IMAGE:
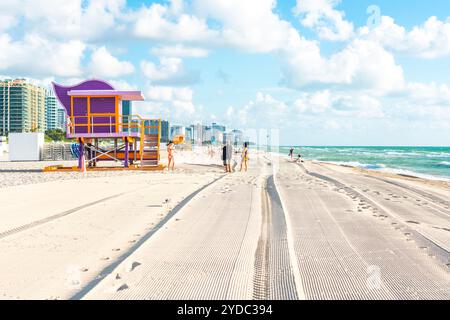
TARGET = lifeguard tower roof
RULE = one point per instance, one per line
(122, 95)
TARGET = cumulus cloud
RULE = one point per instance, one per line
(321, 16)
(173, 103)
(169, 71)
(8, 16)
(104, 64)
(38, 56)
(249, 25)
(264, 111)
(429, 40)
(361, 65)
(170, 23)
(341, 104)
(72, 19)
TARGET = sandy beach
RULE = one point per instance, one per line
(282, 230)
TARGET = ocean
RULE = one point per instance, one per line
(426, 162)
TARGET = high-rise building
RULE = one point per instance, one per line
(198, 133)
(207, 134)
(51, 112)
(61, 119)
(227, 136)
(22, 107)
(165, 132)
(188, 133)
(218, 127)
(217, 132)
(238, 137)
(177, 130)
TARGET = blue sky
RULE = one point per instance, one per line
(322, 72)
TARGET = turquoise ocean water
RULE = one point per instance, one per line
(427, 162)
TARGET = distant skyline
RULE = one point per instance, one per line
(323, 72)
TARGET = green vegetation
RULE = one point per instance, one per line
(55, 135)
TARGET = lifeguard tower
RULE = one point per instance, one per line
(99, 117)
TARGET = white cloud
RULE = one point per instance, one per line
(165, 93)
(170, 71)
(38, 56)
(321, 16)
(429, 40)
(429, 94)
(122, 85)
(249, 25)
(173, 103)
(104, 64)
(262, 112)
(8, 16)
(72, 19)
(361, 65)
(179, 51)
(339, 104)
(168, 23)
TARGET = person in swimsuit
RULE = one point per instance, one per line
(170, 156)
(245, 158)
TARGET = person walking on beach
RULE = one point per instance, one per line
(227, 152)
(245, 158)
(170, 155)
(291, 153)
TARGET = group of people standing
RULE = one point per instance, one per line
(227, 157)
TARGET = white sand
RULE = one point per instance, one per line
(363, 238)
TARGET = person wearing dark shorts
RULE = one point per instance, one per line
(227, 152)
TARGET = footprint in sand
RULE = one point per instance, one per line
(119, 287)
(116, 249)
(84, 269)
(131, 265)
(104, 258)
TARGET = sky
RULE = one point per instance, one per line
(319, 72)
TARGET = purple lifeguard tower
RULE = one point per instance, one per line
(105, 131)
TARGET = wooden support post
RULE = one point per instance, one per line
(127, 145)
(89, 113)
